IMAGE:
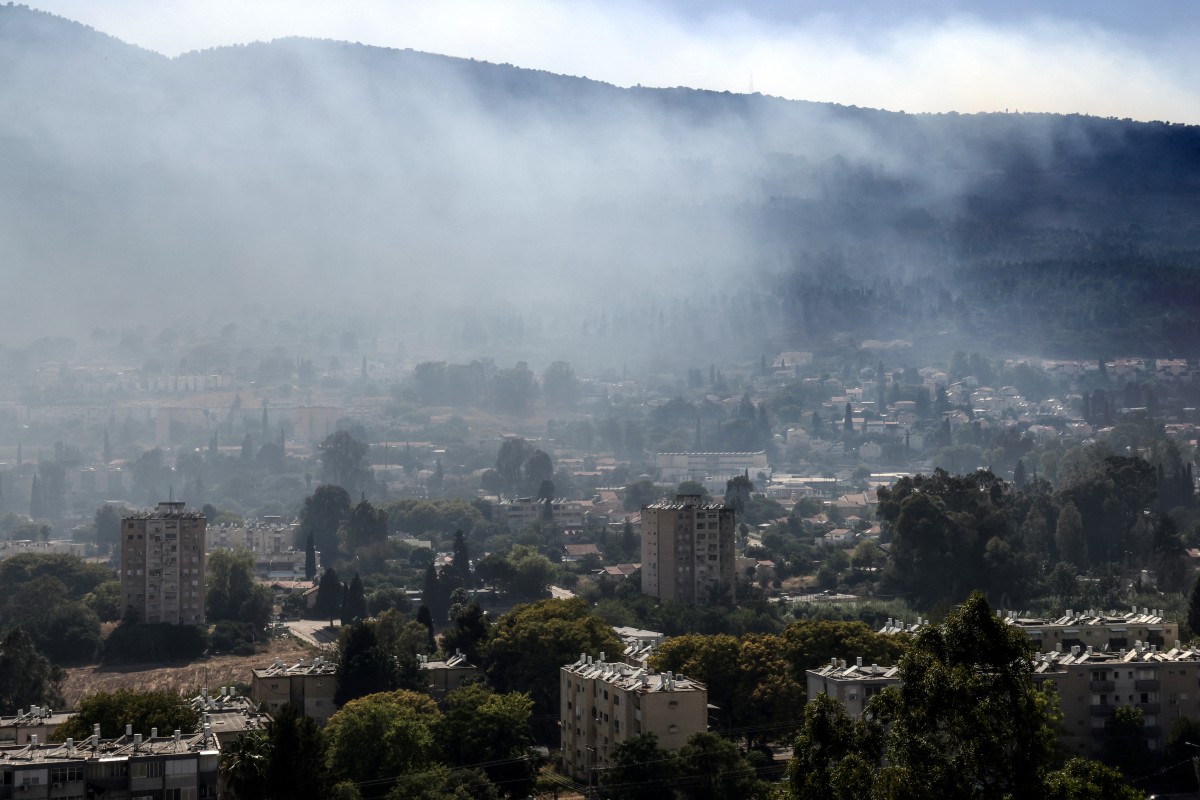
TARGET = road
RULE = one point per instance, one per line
(314, 631)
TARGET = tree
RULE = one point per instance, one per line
(559, 385)
(529, 645)
(737, 493)
(425, 619)
(322, 515)
(1068, 535)
(713, 768)
(112, 711)
(231, 593)
(641, 770)
(537, 469)
(531, 571)
(108, 527)
(1085, 779)
(462, 559)
(469, 633)
(833, 757)
(329, 596)
(26, 676)
(1193, 616)
(310, 558)
(365, 526)
(478, 726)
(244, 766)
(510, 462)
(966, 720)
(343, 460)
(378, 739)
(369, 663)
(354, 605)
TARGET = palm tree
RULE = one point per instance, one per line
(244, 766)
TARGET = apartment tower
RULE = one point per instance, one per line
(162, 564)
(687, 550)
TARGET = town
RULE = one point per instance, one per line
(692, 540)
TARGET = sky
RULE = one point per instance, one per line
(1100, 57)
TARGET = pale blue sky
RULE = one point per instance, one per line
(1099, 57)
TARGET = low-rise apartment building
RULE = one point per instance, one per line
(525, 511)
(446, 676)
(853, 685)
(1099, 630)
(604, 703)
(1092, 684)
(24, 726)
(172, 766)
(309, 687)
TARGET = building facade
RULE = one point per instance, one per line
(525, 511)
(162, 564)
(1099, 630)
(688, 550)
(710, 469)
(1092, 684)
(182, 767)
(601, 704)
(309, 687)
(851, 685)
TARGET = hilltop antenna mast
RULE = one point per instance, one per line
(751, 83)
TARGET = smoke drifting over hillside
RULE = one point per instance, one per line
(408, 193)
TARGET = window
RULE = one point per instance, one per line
(145, 769)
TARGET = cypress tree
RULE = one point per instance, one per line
(310, 558)
(1193, 618)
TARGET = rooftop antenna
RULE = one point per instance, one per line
(751, 83)
(171, 492)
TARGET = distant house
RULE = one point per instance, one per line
(573, 553)
(446, 676)
(615, 573)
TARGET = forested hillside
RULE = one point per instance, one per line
(318, 177)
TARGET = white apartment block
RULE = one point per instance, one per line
(604, 703)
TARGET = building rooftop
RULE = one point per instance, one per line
(1091, 617)
(166, 510)
(858, 671)
(687, 501)
(93, 748)
(632, 679)
(318, 666)
(456, 661)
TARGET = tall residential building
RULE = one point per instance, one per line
(162, 564)
(687, 550)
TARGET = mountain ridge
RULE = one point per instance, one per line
(274, 167)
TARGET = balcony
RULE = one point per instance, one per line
(1149, 708)
(1147, 685)
(1101, 687)
(1102, 711)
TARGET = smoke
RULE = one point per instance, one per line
(927, 59)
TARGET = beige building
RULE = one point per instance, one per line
(446, 676)
(602, 704)
(852, 685)
(525, 511)
(172, 766)
(24, 726)
(1099, 630)
(687, 550)
(309, 687)
(1091, 685)
(710, 469)
(162, 564)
